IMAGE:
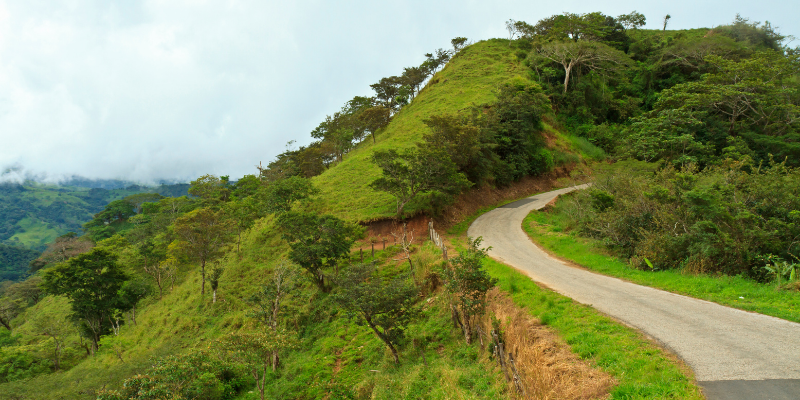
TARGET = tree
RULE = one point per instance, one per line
(386, 91)
(417, 171)
(572, 55)
(375, 118)
(254, 350)
(317, 242)
(468, 283)
(757, 91)
(279, 196)
(54, 325)
(666, 20)
(242, 214)
(414, 76)
(339, 131)
(457, 136)
(268, 301)
(65, 247)
(161, 272)
(247, 186)
(511, 27)
(192, 375)
(17, 297)
(386, 306)
(92, 281)
(216, 274)
(210, 189)
(10, 308)
(572, 27)
(202, 233)
(433, 61)
(131, 293)
(634, 20)
(458, 44)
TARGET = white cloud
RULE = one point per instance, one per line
(176, 89)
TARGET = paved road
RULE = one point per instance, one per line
(734, 354)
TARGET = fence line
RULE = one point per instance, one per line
(437, 240)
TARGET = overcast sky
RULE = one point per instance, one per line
(149, 90)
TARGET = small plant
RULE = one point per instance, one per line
(780, 268)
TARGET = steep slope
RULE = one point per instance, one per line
(469, 79)
(334, 353)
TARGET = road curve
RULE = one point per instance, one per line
(734, 354)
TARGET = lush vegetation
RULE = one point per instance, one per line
(249, 284)
(253, 284)
(34, 215)
(552, 231)
(713, 114)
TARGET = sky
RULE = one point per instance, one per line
(172, 90)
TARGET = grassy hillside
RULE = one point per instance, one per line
(335, 356)
(469, 79)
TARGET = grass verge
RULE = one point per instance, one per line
(549, 230)
(642, 370)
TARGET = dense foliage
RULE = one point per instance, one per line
(732, 219)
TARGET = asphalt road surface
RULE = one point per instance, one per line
(734, 354)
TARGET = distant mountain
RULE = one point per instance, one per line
(34, 214)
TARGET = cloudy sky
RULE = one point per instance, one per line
(149, 90)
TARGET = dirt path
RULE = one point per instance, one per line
(726, 348)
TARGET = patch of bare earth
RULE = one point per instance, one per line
(546, 366)
(380, 231)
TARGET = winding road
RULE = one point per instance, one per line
(734, 354)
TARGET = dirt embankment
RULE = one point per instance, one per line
(465, 205)
(547, 368)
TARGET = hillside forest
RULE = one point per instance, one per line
(33, 215)
(275, 285)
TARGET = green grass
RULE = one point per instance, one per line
(642, 370)
(549, 229)
(469, 79)
(33, 232)
(336, 354)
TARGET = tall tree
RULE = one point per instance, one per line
(279, 196)
(414, 76)
(92, 282)
(386, 306)
(317, 242)
(268, 302)
(417, 171)
(633, 20)
(572, 55)
(202, 234)
(375, 118)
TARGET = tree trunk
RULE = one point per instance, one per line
(319, 279)
(383, 338)
(567, 71)
(214, 297)
(203, 272)
(275, 360)
(133, 315)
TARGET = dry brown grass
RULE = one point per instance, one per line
(549, 370)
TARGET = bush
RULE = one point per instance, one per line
(721, 220)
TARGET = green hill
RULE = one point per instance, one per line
(329, 350)
(333, 352)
